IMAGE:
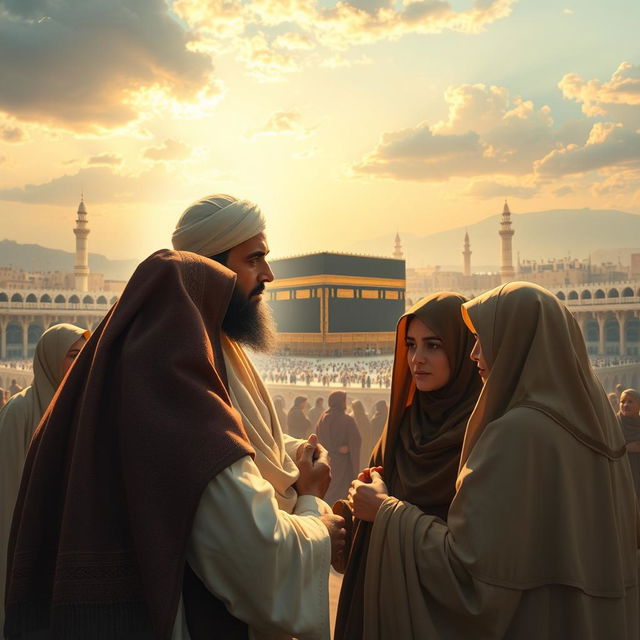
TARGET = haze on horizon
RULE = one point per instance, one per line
(342, 120)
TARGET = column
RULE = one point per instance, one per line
(25, 338)
(3, 340)
(601, 318)
(622, 322)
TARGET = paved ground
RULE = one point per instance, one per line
(335, 580)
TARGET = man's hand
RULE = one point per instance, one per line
(315, 472)
(366, 497)
(337, 533)
(316, 453)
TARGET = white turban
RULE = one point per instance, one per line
(216, 224)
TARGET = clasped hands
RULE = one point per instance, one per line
(367, 493)
(312, 460)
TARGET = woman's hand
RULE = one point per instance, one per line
(365, 474)
(365, 498)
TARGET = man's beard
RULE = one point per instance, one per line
(249, 322)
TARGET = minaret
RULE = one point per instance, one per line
(398, 248)
(467, 255)
(81, 231)
(506, 233)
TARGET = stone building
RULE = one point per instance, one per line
(337, 304)
(30, 302)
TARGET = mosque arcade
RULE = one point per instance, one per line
(608, 312)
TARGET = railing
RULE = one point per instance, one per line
(42, 306)
(601, 301)
(607, 362)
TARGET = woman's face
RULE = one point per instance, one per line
(477, 356)
(71, 355)
(629, 406)
(426, 357)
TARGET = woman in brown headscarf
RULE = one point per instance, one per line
(629, 418)
(434, 389)
(541, 540)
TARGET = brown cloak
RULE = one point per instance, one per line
(117, 466)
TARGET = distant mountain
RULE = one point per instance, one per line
(606, 235)
(539, 235)
(33, 257)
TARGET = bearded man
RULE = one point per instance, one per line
(232, 232)
(141, 512)
(158, 498)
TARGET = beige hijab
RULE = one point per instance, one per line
(544, 509)
(19, 419)
(250, 397)
(538, 359)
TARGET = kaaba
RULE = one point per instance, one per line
(336, 304)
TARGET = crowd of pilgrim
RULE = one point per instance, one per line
(326, 372)
(150, 490)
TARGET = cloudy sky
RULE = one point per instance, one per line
(343, 120)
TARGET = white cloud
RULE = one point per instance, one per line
(306, 153)
(598, 97)
(563, 191)
(338, 60)
(620, 183)
(486, 132)
(83, 68)
(167, 151)
(608, 145)
(104, 185)
(489, 133)
(315, 26)
(294, 41)
(264, 60)
(282, 123)
(489, 189)
(109, 159)
(10, 133)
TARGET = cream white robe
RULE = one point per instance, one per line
(275, 451)
(269, 567)
(270, 562)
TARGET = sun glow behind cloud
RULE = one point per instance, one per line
(410, 115)
(157, 100)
